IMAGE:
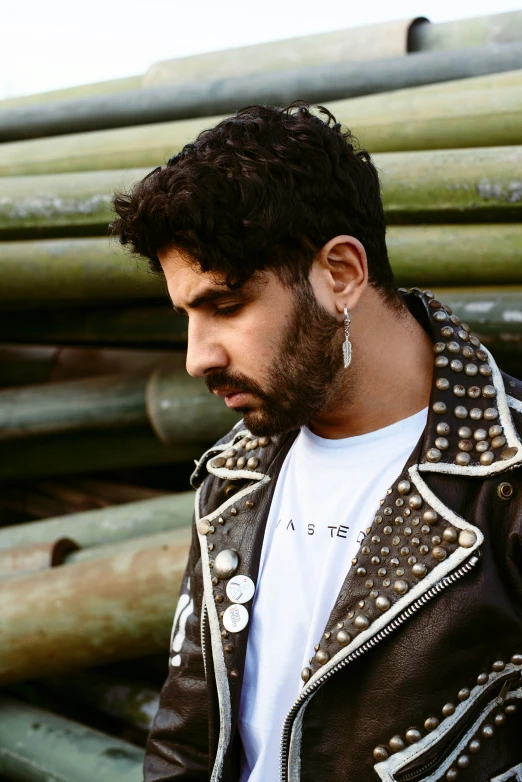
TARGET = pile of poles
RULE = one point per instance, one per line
(98, 421)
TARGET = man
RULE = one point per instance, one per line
(351, 609)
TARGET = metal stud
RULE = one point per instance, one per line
(447, 332)
(511, 708)
(467, 538)
(219, 462)
(439, 347)
(465, 445)
(439, 408)
(218, 598)
(210, 547)
(463, 335)
(441, 361)
(465, 327)
(480, 434)
(448, 709)
(471, 370)
(361, 571)
(249, 504)
(322, 656)
(419, 570)
(463, 761)
(490, 414)
(475, 413)
(487, 458)
(459, 390)
(440, 316)
(443, 429)
(489, 392)
(434, 303)
(485, 370)
(430, 516)
(468, 352)
(488, 731)
(305, 674)
(423, 550)
(433, 455)
(396, 744)
(415, 502)
(508, 453)
(413, 735)
(343, 638)
(463, 459)
(474, 392)
(453, 347)
(474, 341)
(457, 365)
(404, 487)
(234, 674)
(264, 441)
(204, 526)
(498, 666)
(233, 511)
(380, 753)
(482, 446)
(455, 320)
(482, 679)
(252, 463)
(452, 774)
(474, 746)
(460, 411)
(442, 384)
(432, 723)
(226, 563)
(361, 622)
(230, 464)
(463, 694)
(382, 603)
(439, 553)
(401, 586)
(516, 659)
(498, 442)
(241, 463)
(450, 535)
(500, 719)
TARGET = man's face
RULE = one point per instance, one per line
(271, 351)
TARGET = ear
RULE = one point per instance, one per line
(339, 274)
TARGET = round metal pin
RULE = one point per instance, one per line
(235, 618)
(240, 589)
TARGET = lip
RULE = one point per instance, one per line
(232, 397)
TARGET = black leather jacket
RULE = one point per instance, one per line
(419, 671)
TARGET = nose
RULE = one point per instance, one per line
(205, 352)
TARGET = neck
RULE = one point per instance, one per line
(390, 376)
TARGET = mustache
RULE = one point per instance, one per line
(221, 379)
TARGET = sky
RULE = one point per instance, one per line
(58, 43)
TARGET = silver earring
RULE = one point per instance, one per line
(347, 345)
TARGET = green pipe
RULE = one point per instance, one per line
(39, 746)
(127, 701)
(104, 526)
(68, 93)
(91, 451)
(431, 255)
(464, 118)
(179, 407)
(477, 31)
(115, 327)
(323, 82)
(113, 608)
(433, 185)
(22, 365)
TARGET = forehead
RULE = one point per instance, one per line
(185, 277)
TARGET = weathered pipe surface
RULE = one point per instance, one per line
(179, 407)
(118, 326)
(432, 185)
(318, 83)
(106, 525)
(22, 365)
(135, 704)
(35, 556)
(477, 31)
(443, 120)
(39, 746)
(108, 609)
(75, 453)
(179, 537)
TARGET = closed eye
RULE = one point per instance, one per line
(224, 311)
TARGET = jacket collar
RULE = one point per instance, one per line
(469, 431)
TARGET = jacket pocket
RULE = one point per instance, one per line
(459, 737)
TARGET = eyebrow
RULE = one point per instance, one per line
(206, 295)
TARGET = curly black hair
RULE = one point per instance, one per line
(263, 189)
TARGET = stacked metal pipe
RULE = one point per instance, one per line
(98, 421)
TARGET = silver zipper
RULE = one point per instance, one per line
(380, 636)
(203, 642)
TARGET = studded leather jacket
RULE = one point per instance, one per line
(418, 676)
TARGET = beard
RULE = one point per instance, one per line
(306, 377)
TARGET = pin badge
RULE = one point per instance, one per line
(240, 589)
(235, 618)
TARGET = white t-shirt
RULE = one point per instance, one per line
(326, 496)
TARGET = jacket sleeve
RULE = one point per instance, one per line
(177, 747)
